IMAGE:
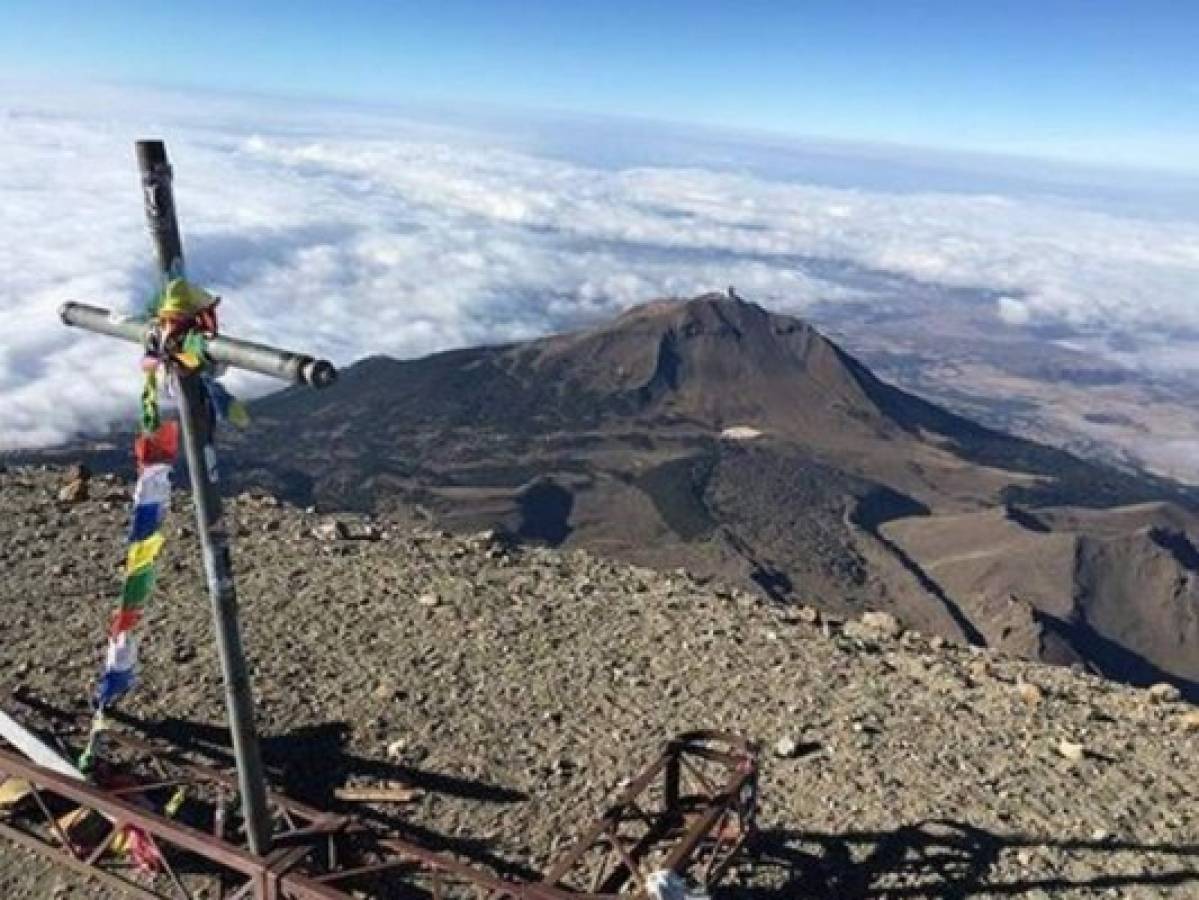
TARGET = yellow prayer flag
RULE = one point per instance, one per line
(182, 298)
(143, 553)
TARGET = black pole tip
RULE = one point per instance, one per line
(152, 152)
(321, 373)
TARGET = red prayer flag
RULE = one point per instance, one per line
(162, 446)
(124, 620)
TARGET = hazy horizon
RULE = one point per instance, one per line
(320, 224)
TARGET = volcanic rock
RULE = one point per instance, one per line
(1072, 751)
(925, 785)
(1164, 692)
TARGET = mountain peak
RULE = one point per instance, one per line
(710, 433)
(710, 313)
(715, 358)
(713, 307)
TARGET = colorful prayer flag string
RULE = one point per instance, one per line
(151, 499)
(184, 318)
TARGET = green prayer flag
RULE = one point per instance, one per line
(137, 588)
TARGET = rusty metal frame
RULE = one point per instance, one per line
(691, 810)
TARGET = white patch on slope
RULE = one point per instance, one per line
(740, 433)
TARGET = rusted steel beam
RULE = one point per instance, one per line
(738, 759)
(580, 847)
(106, 804)
(157, 751)
(705, 823)
(331, 826)
(439, 861)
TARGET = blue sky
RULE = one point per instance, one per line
(1099, 81)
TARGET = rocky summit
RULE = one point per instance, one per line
(515, 685)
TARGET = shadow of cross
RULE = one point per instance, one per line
(946, 858)
(195, 419)
(309, 762)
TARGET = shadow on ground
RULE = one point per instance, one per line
(309, 763)
(942, 858)
(939, 858)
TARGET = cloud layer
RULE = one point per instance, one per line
(355, 234)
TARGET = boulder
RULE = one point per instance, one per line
(75, 490)
(1030, 693)
(786, 748)
(874, 626)
(1164, 692)
(330, 531)
(1072, 751)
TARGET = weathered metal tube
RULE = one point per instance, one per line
(285, 364)
(158, 197)
(195, 417)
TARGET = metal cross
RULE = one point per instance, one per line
(199, 451)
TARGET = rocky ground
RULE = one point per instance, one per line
(518, 686)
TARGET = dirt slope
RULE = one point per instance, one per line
(1118, 588)
(537, 679)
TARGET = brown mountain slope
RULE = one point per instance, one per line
(677, 372)
(712, 434)
(1118, 588)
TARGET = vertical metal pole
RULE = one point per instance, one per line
(195, 419)
(159, 201)
(194, 416)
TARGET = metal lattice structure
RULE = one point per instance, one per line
(690, 811)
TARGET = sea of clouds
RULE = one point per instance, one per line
(349, 232)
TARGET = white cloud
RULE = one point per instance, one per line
(364, 234)
(1013, 311)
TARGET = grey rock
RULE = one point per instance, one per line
(1071, 750)
(882, 623)
(786, 748)
(1163, 692)
(333, 530)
